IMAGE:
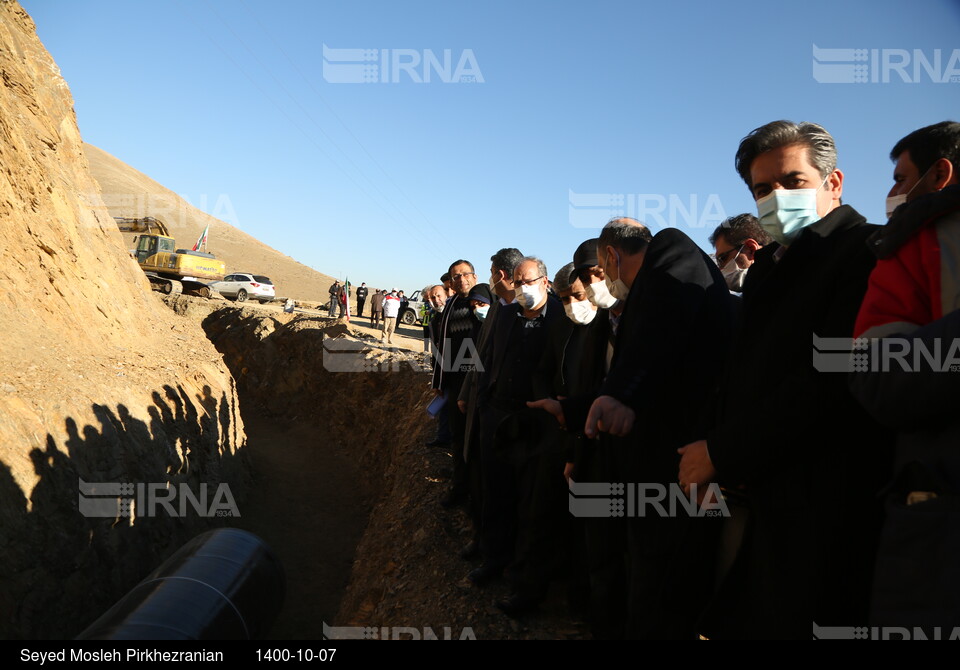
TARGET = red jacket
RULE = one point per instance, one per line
(917, 279)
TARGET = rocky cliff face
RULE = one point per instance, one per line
(99, 381)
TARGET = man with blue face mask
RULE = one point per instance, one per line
(809, 458)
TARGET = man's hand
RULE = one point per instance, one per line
(568, 472)
(462, 404)
(552, 407)
(696, 467)
(609, 415)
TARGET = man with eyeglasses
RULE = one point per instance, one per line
(458, 329)
(735, 242)
(517, 497)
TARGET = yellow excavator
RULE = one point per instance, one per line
(171, 270)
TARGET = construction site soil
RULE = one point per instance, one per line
(345, 489)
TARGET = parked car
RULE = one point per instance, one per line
(411, 315)
(242, 285)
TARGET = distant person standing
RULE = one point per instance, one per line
(342, 302)
(361, 298)
(426, 315)
(391, 307)
(403, 306)
(334, 297)
(376, 307)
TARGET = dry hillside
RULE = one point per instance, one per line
(130, 193)
(97, 381)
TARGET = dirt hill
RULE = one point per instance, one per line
(130, 193)
(97, 381)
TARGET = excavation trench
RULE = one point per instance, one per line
(323, 425)
(345, 489)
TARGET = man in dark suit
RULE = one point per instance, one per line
(811, 459)
(361, 298)
(595, 460)
(457, 328)
(502, 265)
(677, 316)
(511, 473)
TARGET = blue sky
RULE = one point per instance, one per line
(584, 110)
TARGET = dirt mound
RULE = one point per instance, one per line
(316, 370)
(97, 381)
(130, 193)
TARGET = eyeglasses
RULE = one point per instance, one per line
(725, 256)
(528, 282)
(461, 276)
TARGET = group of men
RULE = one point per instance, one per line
(752, 490)
(385, 306)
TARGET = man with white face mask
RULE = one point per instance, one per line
(510, 364)
(577, 360)
(810, 458)
(735, 242)
(911, 304)
(677, 316)
(591, 275)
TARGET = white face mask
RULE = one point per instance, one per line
(618, 289)
(599, 295)
(734, 277)
(530, 296)
(733, 274)
(481, 311)
(580, 312)
(894, 201)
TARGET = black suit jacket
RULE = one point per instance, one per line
(494, 358)
(810, 457)
(678, 316)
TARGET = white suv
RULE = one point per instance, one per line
(241, 285)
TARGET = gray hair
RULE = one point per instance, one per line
(821, 148)
(541, 267)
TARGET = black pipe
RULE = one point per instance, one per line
(225, 584)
